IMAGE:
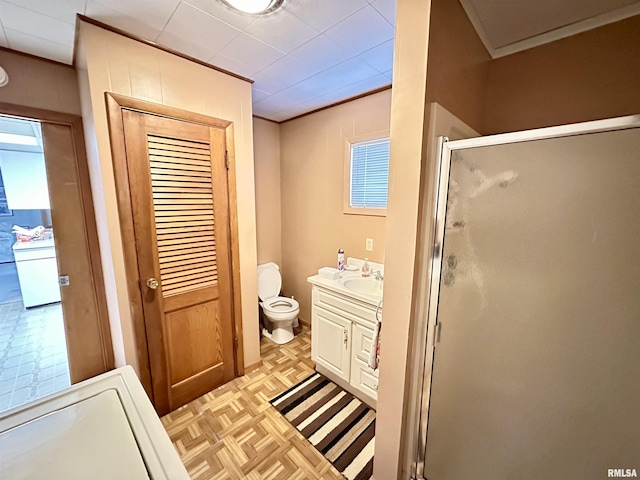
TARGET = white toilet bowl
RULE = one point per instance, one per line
(280, 311)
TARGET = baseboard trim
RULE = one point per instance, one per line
(252, 367)
(304, 322)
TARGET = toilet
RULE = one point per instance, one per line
(282, 312)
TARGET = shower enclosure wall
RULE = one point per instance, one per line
(530, 365)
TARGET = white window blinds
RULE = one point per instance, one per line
(369, 174)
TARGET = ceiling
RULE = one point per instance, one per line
(20, 135)
(506, 27)
(308, 54)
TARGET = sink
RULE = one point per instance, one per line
(363, 285)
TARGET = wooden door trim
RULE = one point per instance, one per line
(115, 104)
(75, 123)
(235, 249)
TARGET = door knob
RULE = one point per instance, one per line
(152, 283)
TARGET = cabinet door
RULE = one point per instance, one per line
(331, 342)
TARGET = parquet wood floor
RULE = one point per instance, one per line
(233, 432)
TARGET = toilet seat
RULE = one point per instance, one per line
(280, 305)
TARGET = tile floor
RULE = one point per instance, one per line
(233, 432)
(33, 354)
(9, 283)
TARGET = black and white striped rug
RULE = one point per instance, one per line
(336, 423)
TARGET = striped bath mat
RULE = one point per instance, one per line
(339, 425)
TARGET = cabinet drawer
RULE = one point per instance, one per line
(359, 311)
(364, 378)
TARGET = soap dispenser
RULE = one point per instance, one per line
(366, 268)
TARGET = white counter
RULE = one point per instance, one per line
(338, 287)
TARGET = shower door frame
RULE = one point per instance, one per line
(418, 419)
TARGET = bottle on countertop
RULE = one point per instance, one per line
(366, 268)
(340, 259)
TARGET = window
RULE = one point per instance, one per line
(368, 176)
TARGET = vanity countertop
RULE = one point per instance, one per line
(339, 287)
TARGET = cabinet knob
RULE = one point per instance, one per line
(152, 283)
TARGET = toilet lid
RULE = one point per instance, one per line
(269, 283)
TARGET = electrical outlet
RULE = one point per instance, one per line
(369, 245)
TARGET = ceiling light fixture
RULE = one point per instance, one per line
(14, 139)
(253, 7)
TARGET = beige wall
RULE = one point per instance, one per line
(589, 76)
(39, 84)
(314, 226)
(593, 75)
(458, 63)
(110, 62)
(266, 152)
(408, 151)
(450, 68)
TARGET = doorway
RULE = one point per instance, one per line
(33, 350)
(54, 328)
(176, 200)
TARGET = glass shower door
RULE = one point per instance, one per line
(536, 365)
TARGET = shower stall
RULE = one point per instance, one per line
(530, 365)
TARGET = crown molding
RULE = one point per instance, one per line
(550, 36)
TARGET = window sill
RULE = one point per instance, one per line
(372, 212)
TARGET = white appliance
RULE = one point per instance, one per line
(104, 428)
(37, 272)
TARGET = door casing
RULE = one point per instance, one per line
(115, 104)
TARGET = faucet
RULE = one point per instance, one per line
(377, 274)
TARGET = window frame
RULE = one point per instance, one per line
(346, 197)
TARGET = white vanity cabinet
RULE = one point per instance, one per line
(330, 342)
(341, 339)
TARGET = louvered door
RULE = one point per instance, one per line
(179, 195)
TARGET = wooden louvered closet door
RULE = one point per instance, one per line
(178, 184)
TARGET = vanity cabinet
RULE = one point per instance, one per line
(341, 339)
(331, 343)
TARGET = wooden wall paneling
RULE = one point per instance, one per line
(109, 28)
